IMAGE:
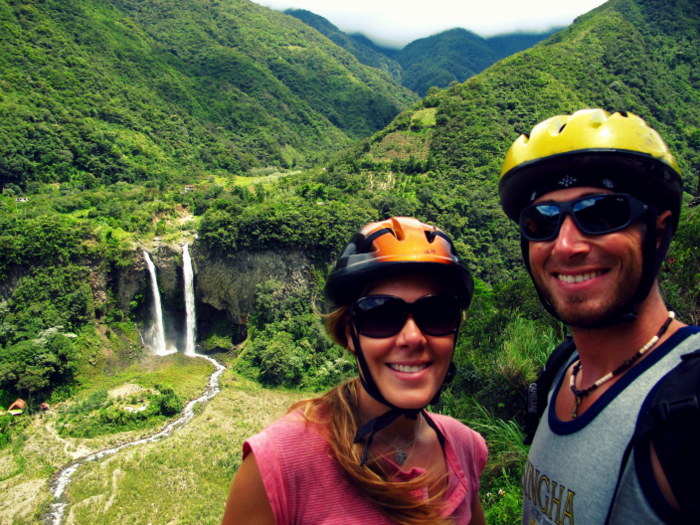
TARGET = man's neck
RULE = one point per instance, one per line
(604, 349)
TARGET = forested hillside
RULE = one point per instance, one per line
(360, 46)
(455, 55)
(141, 126)
(636, 55)
(434, 61)
(148, 91)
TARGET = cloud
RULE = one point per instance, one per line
(399, 22)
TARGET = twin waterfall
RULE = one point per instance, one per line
(156, 334)
(191, 319)
(156, 340)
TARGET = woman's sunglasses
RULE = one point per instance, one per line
(385, 315)
(593, 215)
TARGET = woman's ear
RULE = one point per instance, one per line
(348, 339)
(663, 222)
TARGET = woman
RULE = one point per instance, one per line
(367, 452)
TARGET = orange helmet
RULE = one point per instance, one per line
(394, 246)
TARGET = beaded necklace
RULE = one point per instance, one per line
(580, 394)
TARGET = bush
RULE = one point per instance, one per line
(99, 414)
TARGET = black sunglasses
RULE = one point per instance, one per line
(385, 315)
(593, 215)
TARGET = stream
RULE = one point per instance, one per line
(62, 479)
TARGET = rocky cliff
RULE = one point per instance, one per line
(224, 286)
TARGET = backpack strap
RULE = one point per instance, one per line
(670, 420)
(537, 392)
(672, 423)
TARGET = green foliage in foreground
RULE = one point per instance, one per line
(6, 427)
(288, 345)
(681, 271)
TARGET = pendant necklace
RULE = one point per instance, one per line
(401, 454)
(580, 394)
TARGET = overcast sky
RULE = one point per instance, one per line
(398, 22)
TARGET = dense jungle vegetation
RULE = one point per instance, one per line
(110, 107)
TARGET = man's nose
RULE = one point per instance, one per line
(570, 240)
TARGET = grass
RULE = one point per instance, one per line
(184, 479)
(500, 483)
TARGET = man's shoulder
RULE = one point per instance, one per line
(670, 419)
(689, 334)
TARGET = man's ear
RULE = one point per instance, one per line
(663, 222)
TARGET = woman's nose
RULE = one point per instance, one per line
(411, 332)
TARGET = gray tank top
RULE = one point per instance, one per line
(573, 466)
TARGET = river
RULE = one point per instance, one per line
(63, 477)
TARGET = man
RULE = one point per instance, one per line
(597, 197)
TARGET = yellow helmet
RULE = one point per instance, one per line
(591, 147)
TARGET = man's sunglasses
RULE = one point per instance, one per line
(385, 315)
(593, 215)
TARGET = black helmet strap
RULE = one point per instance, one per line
(367, 432)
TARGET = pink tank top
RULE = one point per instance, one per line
(306, 486)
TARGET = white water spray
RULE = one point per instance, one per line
(191, 319)
(158, 331)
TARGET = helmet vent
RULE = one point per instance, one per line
(397, 229)
(562, 128)
(431, 234)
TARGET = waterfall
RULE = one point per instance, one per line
(191, 319)
(157, 330)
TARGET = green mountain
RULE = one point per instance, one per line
(635, 55)
(130, 90)
(451, 56)
(437, 60)
(360, 46)
(511, 43)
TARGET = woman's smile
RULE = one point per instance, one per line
(410, 366)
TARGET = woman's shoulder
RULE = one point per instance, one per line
(450, 424)
(463, 444)
(460, 436)
(291, 436)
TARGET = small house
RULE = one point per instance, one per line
(17, 407)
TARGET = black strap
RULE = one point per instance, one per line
(537, 392)
(375, 425)
(378, 423)
(672, 423)
(670, 419)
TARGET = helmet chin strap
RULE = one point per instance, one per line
(367, 432)
(652, 258)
